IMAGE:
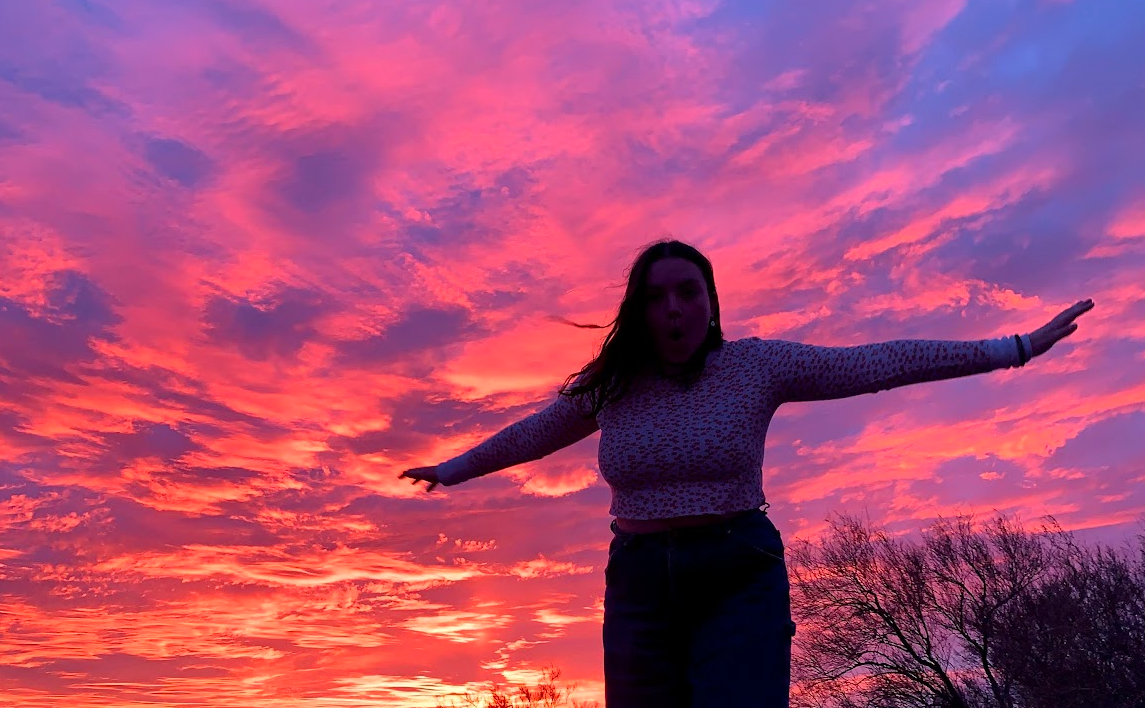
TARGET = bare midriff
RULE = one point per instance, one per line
(657, 525)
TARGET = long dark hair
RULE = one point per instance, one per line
(628, 347)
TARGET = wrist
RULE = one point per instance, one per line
(1024, 347)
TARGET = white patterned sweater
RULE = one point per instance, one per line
(667, 451)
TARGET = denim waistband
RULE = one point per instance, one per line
(714, 528)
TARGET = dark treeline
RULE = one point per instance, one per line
(967, 616)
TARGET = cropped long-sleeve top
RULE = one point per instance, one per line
(668, 451)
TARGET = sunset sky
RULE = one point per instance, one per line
(257, 258)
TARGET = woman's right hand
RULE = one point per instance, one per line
(422, 474)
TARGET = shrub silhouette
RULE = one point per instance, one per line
(545, 694)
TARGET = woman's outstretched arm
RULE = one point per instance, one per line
(563, 422)
(804, 372)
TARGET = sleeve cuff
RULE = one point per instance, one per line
(1004, 351)
(455, 471)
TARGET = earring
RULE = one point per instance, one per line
(712, 323)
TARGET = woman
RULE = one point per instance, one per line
(697, 610)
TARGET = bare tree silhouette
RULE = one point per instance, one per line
(1078, 640)
(966, 618)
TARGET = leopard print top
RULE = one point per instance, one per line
(667, 450)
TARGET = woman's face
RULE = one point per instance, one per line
(677, 308)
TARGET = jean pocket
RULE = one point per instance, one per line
(616, 546)
(761, 543)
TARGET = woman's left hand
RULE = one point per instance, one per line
(1058, 328)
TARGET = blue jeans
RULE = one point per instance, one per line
(698, 617)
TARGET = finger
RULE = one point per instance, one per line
(1079, 307)
(1064, 332)
(1069, 316)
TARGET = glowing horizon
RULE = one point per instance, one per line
(259, 257)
